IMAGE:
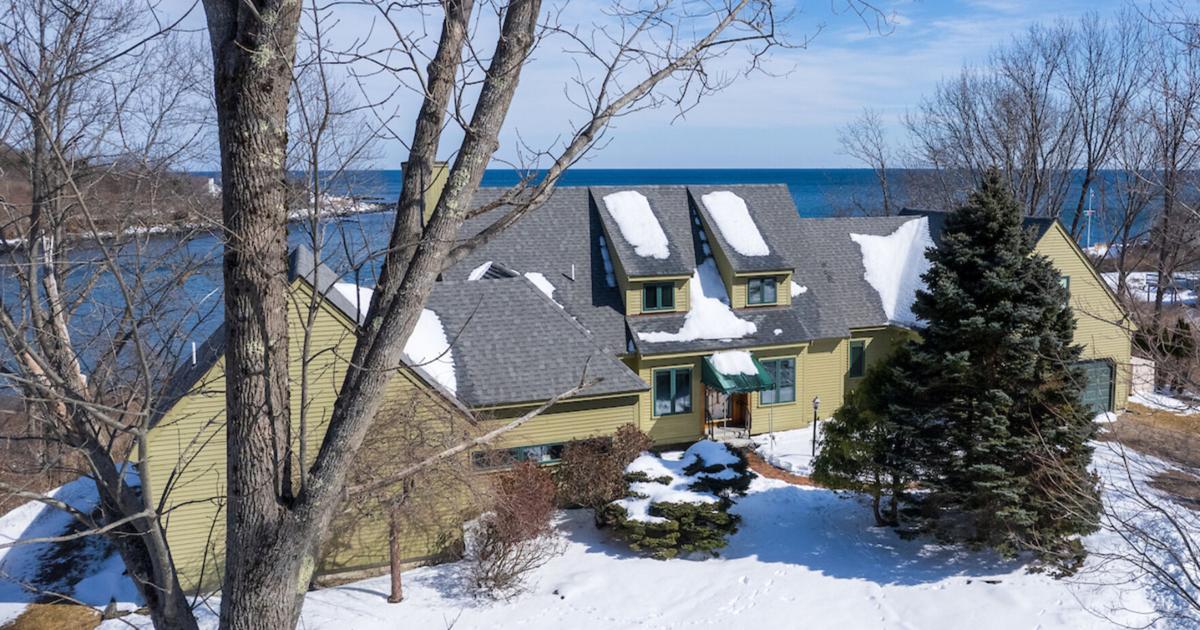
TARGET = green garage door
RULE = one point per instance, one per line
(1098, 385)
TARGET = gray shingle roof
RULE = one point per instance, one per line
(773, 212)
(513, 344)
(1036, 226)
(831, 265)
(670, 207)
(788, 321)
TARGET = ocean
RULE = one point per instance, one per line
(818, 192)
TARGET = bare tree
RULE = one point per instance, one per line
(652, 55)
(1102, 77)
(88, 324)
(864, 140)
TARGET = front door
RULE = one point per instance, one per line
(740, 414)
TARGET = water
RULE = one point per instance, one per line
(817, 192)
(195, 307)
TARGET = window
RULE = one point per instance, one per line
(858, 359)
(1065, 283)
(783, 372)
(761, 291)
(541, 454)
(658, 296)
(672, 391)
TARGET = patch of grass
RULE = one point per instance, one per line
(1163, 434)
(55, 617)
(1183, 487)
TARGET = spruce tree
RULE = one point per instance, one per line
(1001, 395)
(867, 445)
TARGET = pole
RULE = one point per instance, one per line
(1089, 213)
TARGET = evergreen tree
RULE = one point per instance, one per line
(867, 446)
(1001, 395)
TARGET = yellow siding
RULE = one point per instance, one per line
(825, 363)
(783, 291)
(781, 416)
(672, 429)
(185, 458)
(633, 296)
(568, 421)
(1101, 327)
(878, 343)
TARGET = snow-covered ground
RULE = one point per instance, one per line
(788, 450)
(804, 557)
(1143, 285)
(22, 565)
(1164, 402)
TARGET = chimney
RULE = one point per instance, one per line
(432, 188)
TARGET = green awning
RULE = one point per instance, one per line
(735, 383)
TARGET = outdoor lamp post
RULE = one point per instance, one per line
(816, 406)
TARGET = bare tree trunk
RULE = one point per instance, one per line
(253, 49)
(395, 555)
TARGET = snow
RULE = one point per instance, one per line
(1143, 285)
(541, 283)
(778, 331)
(1106, 417)
(734, 362)
(678, 487)
(1164, 402)
(429, 352)
(609, 278)
(103, 578)
(358, 296)
(427, 348)
(478, 272)
(798, 290)
(637, 223)
(709, 315)
(788, 450)
(802, 557)
(732, 218)
(894, 265)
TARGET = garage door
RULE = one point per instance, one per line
(1098, 385)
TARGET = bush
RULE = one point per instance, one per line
(516, 536)
(674, 507)
(591, 473)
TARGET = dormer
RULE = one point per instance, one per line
(754, 273)
(650, 245)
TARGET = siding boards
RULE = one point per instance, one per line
(781, 416)
(1101, 325)
(672, 429)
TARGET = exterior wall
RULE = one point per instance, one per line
(633, 295)
(783, 294)
(1101, 325)
(574, 420)
(672, 429)
(878, 343)
(185, 457)
(782, 416)
(825, 365)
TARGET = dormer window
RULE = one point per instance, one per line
(761, 291)
(658, 296)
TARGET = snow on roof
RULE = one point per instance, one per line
(427, 349)
(733, 219)
(542, 284)
(709, 315)
(637, 223)
(798, 289)
(478, 272)
(358, 296)
(734, 362)
(894, 265)
(429, 352)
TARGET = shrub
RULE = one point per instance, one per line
(591, 473)
(674, 507)
(516, 536)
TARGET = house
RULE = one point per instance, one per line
(694, 308)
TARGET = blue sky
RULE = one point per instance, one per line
(788, 121)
